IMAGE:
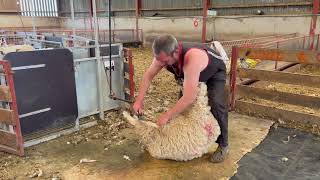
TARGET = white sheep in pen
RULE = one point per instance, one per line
(185, 137)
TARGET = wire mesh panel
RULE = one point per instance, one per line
(19, 36)
(264, 41)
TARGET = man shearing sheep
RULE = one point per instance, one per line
(191, 63)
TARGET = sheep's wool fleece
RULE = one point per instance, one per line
(185, 137)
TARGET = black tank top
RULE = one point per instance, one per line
(215, 70)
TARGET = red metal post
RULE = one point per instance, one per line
(205, 4)
(138, 14)
(276, 62)
(233, 76)
(13, 105)
(313, 24)
(70, 43)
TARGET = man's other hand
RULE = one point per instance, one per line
(162, 120)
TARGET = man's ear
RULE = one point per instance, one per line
(176, 51)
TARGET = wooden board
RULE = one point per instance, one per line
(258, 110)
(9, 6)
(5, 94)
(301, 56)
(283, 97)
(281, 77)
(126, 67)
(7, 116)
(8, 139)
(9, 150)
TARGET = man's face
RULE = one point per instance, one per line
(167, 59)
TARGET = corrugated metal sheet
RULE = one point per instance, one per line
(81, 8)
(123, 8)
(124, 13)
(167, 13)
(189, 7)
(265, 10)
(44, 8)
(172, 8)
(249, 7)
(156, 4)
(122, 4)
(259, 2)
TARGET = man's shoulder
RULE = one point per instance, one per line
(194, 52)
(196, 58)
(157, 63)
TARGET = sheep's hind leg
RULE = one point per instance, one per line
(133, 121)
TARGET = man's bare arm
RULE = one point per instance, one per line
(151, 72)
(192, 71)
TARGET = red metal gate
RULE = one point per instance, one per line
(10, 132)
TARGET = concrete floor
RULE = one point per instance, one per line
(245, 134)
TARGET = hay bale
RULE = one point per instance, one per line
(185, 137)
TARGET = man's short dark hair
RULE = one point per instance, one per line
(166, 43)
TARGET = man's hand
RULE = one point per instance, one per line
(138, 107)
(163, 119)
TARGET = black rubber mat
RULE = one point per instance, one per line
(50, 86)
(283, 154)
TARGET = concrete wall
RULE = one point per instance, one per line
(235, 28)
(183, 28)
(15, 21)
(225, 28)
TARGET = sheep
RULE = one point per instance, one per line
(187, 136)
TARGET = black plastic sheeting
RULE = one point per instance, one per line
(268, 160)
